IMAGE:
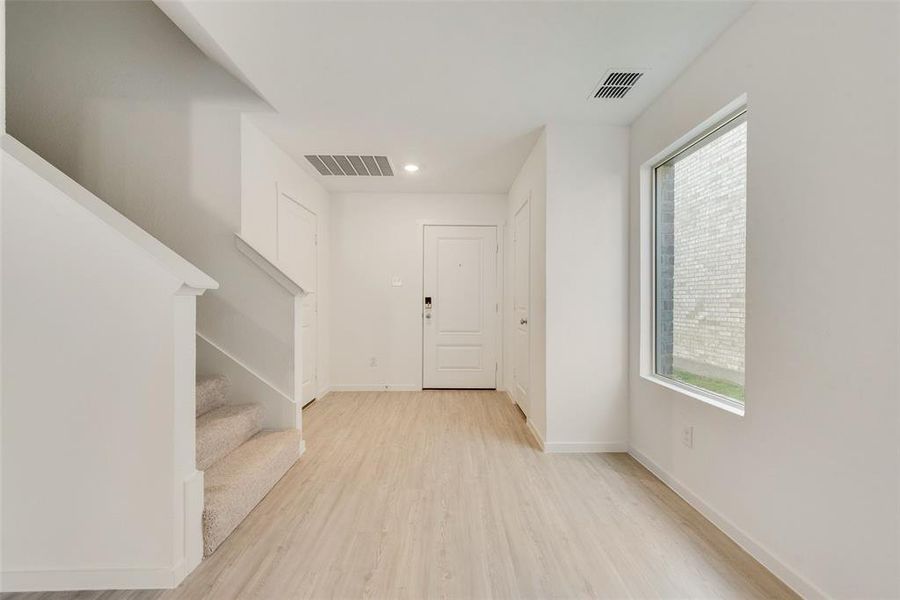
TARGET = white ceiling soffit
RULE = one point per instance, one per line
(179, 13)
(459, 88)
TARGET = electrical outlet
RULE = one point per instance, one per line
(687, 436)
(373, 362)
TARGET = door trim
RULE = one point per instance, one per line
(290, 196)
(525, 205)
(279, 191)
(421, 224)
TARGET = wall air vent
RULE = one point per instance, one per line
(616, 84)
(351, 165)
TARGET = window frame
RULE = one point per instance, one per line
(707, 134)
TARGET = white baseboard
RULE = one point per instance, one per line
(790, 577)
(536, 434)
(92, 579)
(584, 447)
(302, 448)
(52, 580)
(375, 387)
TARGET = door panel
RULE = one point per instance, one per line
(297, 241)
(298, 255)
(521, 302)
(460, 285)
(460, 327)
(460, 358)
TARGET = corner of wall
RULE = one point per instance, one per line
(587, 275)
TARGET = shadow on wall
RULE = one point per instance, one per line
(116, 96)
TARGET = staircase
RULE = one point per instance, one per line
(241, 462)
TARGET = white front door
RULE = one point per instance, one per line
(521, 295)
(297, 255)
(460, 307)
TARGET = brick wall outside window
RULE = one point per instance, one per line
(701, 250)
(709, 249)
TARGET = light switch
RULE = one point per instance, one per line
(396, 281)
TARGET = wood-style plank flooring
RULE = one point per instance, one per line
(444, 494)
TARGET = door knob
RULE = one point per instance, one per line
(523, 321)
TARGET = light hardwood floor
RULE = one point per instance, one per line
(444, 494)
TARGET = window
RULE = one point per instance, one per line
(700, 222)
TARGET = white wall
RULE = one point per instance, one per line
(373, 238)
(809, 478)
(587, 288)
(576, 177)
(99, 484)
(143, 119)
(530, 185)
(263, 166)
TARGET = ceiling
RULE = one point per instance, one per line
(459, 88)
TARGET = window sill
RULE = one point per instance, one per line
(696, 394)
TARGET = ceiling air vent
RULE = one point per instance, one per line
(344, 165)
(616, 84)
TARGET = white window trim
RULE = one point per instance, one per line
(647, 262)
(696, 393)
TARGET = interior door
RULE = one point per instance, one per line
(521, 296)
(460, 307)
(298, 256)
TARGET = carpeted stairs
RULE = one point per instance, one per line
(240, 462)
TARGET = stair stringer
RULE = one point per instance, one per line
(279, 410)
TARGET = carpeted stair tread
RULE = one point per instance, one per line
(223, 429)
(237, 482)
(211, 393)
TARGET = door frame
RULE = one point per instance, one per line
(420, 285)
(290, 195)
(526, 203)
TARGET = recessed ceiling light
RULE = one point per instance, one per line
(410, 168)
